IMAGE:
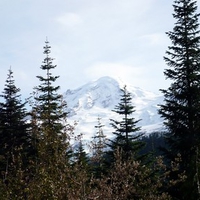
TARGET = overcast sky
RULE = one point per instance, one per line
(89, 39)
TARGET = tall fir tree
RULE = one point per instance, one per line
(50, 109)
(14, 130)
(181, 108)
(126, 130)
(51, 132)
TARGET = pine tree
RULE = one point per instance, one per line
(52, 135)
(126, 129)
(50, 108)
(80, 155)
(15, 137)
(181, 108)
(98, 149)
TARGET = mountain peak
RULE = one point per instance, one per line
(98, 98)
(105, 81)
(102, 93)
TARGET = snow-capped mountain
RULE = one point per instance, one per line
(98, 98)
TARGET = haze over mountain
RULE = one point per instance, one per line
(98, 98)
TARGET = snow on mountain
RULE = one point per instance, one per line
(98, 98)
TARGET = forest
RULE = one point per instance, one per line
(38, 160)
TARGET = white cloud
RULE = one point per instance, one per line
(154, 38)
(116, 70)
(69, 19)
(146, 77)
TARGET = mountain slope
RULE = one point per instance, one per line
(98, 98)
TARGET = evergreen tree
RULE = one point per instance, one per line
(80, 156)
(14, 131)
(125, 130)
(98, 149)
(181, 108)
(50, 109)
(52, 135)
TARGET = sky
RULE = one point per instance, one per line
(89, 39)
